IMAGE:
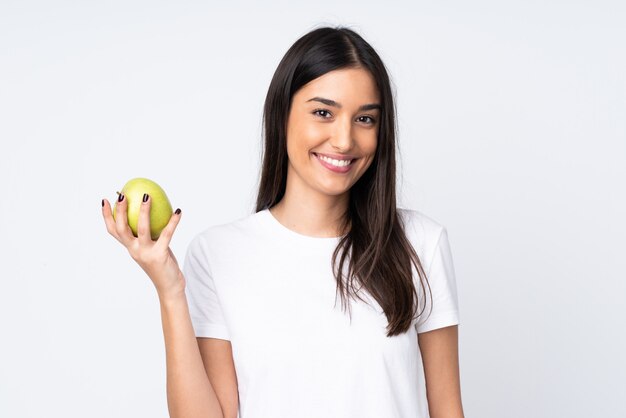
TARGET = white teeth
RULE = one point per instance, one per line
(337, 163)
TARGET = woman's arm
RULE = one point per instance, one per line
(189, 391)
(439, 349)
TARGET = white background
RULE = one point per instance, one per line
(512, 135)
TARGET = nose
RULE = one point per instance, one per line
(341, 139)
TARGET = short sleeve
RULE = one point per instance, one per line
(442, 280)
(205, 310)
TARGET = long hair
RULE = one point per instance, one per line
(376, 248)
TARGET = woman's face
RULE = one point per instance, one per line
(336, 115)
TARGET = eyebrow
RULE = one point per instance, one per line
(330, 102)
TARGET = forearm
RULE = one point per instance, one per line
(444, 400)
(189, 391)
(454, 411)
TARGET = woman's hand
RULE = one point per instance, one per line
(154, 257)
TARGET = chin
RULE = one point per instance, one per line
(333, 189)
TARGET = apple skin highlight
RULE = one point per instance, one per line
(160, 209)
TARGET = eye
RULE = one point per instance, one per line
(372, 120)
(315, 112)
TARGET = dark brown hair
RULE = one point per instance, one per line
(376, 245)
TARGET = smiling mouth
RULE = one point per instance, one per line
(335, 162)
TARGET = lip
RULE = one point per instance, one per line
(340, 170)
(337, 156)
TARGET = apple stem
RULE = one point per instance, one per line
(118, 193)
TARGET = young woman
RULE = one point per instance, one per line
(251, 324)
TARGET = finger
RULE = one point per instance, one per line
(121, 221)
(143, 224)
(166, 234)
(108, 219)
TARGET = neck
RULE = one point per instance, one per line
(315, 215)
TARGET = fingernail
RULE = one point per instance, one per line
(177, 211)
(120, 197)
(145, 197)
(102, 202)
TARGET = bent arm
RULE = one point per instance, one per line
(439, 349)
(189, 391)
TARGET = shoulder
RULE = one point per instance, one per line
(423, 231)
(226, 233)
(416, 221)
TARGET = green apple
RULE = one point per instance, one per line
(160, 209)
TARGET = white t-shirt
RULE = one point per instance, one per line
(271, 292)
